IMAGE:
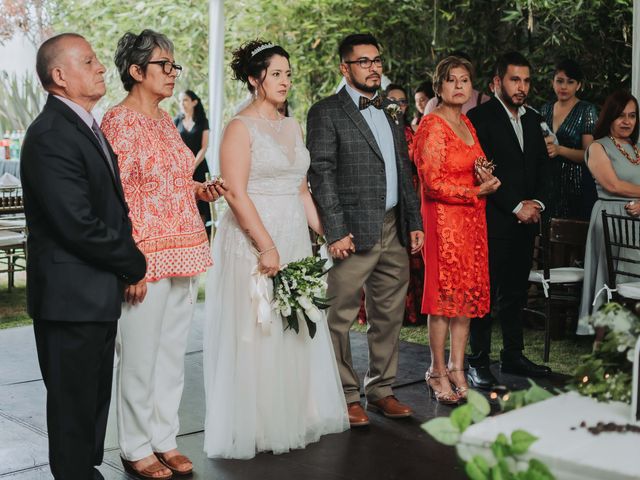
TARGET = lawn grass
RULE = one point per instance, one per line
(564, 357)
(13, 305)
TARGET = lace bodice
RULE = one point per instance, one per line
(279, 158)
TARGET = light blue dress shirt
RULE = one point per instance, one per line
(377, 121)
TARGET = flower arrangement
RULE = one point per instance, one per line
(394, 111)
(299, 293)
(606, 374)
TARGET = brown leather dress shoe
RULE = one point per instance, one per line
(390, 407)
(178, 464)
(357, 416)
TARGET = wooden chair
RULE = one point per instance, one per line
(622, 248)
(558, 281)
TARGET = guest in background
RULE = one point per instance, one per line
(572, 121)
(613, 160)
(421, 97)
(156, 168)
(453, 211)
(474, 100)
(398, 94)
(511, 137)
(193, 126)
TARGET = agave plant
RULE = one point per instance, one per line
(21, 99)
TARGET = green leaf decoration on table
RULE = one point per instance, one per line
(521, 441)
(461, 417)
(480, 407)
(442, 430)
(536, 393)
(478, 468)
(538, 471)
(500, 447)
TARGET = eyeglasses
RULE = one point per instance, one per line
(401, 101)
(365, 62)
(168, 67)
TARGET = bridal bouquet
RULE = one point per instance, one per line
(299, 293)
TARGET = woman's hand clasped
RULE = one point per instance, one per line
(135, 293)
(633, 208)
(488, 183)
(210, 191)
(269, 262)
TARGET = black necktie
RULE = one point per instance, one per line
(370, 102)
(103, 143)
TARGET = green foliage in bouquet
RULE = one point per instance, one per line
(605, 374)
(299, 293)
(505, 451)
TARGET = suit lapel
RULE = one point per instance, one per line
(71, 116)
(354, 114)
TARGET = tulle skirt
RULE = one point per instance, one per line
(272, 391)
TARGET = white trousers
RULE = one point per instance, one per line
(150, 345)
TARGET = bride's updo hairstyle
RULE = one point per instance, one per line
(252, 60)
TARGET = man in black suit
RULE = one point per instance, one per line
(81, 254)
(511, 137)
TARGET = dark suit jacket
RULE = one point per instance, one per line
(80, 249)
(523, 175)
(347, 174)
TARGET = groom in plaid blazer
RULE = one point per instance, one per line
(361, 180)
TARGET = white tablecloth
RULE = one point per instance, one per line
(570, 454)
(10, 166)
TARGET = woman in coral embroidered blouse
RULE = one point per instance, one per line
(456, 285)
(156, 169)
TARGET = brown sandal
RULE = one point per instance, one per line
(174, 463)
(148, 472)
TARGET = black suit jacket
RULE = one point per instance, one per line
(80, 252)
(524, 175)
(347, 174)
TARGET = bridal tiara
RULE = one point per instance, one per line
(261, 48)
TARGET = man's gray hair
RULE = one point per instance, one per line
(48, 53)
(135, 49)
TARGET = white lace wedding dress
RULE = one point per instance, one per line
(272, 391)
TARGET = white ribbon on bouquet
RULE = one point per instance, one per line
(260, 289)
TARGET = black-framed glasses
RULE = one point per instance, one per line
(365, 62)
(168, 67)
(399, 101)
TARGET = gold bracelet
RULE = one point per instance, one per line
(272, 247)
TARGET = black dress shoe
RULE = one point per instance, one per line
(521, 365)
(481, 377)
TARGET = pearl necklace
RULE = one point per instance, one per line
(275, 124)
(625, 153)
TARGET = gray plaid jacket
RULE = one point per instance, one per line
(347, 174)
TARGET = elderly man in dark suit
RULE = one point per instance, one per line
(80, 254)
(361, 180)
(511, 137)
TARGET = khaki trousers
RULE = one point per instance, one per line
(383, 271)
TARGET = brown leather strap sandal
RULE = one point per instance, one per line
(148, 472)
(176, 464)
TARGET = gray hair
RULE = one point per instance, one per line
(135, 49)
(48, 54)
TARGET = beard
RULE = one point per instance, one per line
(508, 99)
(364, 87)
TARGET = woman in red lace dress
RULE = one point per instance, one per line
(456, 285)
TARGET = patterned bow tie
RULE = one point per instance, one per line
(370, 102)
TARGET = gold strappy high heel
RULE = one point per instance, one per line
(460, 390)
(445, 398)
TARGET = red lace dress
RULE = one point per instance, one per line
(456, 280)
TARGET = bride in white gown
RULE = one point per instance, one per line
(278, 390)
